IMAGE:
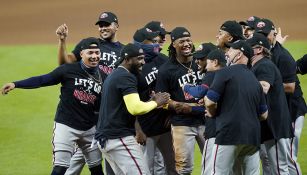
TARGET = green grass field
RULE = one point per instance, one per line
(27, 115)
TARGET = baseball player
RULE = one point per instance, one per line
(237, 120)
(179, 70)
(249, 26)
(215, 61)
(287, 67)
(301, 65)
(277, 129)
(156, 163)
(153, 123)
(110, 52)
(109, 45)
(76, 114)
(230, 31)
(119, 107)
(157, 26)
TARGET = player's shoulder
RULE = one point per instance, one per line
(116, 44)
(68, 66)
(121, 73)
(167, 66)
(162, 56)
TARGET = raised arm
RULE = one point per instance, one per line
(63, 56)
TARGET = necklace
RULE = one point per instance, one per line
(124, 68)
(188, 68)
(99, 80)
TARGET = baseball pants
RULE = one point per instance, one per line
(265, 162)
(294, 167)
(184, 138)
(159, 154)
(64, 140)
(77, 163)
(125, 156)
(207, 158)
(226, 155)
(277, 153)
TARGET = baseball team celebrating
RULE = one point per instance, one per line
(142, 111)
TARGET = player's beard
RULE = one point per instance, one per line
(135, 69)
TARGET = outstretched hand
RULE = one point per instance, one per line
(62, 31)
(7, 88)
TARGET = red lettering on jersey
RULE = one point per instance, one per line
(83, 96)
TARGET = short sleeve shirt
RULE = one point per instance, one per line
(279, 119)
(171, 78)
(287, 67)
(240, 98)
(114, 119)
(156, 121)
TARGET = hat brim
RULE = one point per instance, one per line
(199, 55)
(152, 35)
(164, 32)
(244, 23)
(100, 21)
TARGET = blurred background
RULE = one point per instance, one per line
(35, 21)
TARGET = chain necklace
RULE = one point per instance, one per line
(124, 68)
(188, 68)
(99, 80)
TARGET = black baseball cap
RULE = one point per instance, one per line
(218, 55)
(259, 39)
(90, 43)
(108, 17)
(204, 50)
(244, 47)
(233, 28)
(157, 26)
(131, 50)
(144, 34)
(250, 22)
(264, 26)
(179, 32)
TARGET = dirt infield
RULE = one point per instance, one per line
(35, 21)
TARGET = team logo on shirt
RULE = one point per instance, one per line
(108, 61)
(152, 76)
(189, 78)
(86, 89)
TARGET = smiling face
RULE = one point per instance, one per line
(183, 46)
(107, 31)
(136, 64)
(91, 57)
(222, 38)
(201, 63)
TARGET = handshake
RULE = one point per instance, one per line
(181, 107)
(163, 99)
